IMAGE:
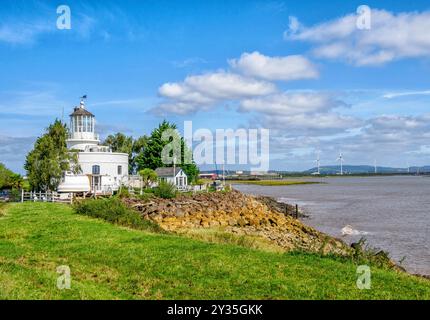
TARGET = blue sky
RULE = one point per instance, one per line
(297, 68)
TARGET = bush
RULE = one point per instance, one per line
(366, 254)
(114, 211)
(15, 195)
(123, 193)
(165, 190)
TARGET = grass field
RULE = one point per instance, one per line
(273, 183)
(112, 262)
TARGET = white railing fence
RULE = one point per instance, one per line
(44, 197)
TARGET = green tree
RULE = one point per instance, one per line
(148, 176)
(9, 179)
(119, 142)
(139, 146)
(4, 175)
(16, 181)
(50, 157)
(152, 155)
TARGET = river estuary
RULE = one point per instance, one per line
(392, 213)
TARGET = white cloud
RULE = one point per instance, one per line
(294, 24)
(27, 33)
(392, 124)
(286, 68)
(292, 103)
(301, 114)
(13, 151)
(200, 91)
(391, 37)
(42, 100)
(89, 21)
(315, 124)
(179, 108)
(21, 33)
(189, 62)
(407, 93)
(223, 85)
(393, 140)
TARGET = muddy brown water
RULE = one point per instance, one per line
(392, 213)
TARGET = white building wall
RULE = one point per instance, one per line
(108, 163)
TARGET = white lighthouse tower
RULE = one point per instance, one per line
(82, 128)
(102, 171)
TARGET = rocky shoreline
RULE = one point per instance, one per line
(262, 217)
(239, 214)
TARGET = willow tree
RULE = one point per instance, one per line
(50, 158)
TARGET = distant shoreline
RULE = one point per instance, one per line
(269, 183)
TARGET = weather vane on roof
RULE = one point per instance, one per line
(84, 97)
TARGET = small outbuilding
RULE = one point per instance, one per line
(175, 176)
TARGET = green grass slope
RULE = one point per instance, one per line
(111, 262)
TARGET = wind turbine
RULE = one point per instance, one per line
(341, 162)
(318, 162)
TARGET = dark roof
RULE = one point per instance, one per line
(167, 172)
(77, 111)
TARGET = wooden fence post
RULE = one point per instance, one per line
(22, 195)
(297, 211)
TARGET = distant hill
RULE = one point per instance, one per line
(366, 169)
(335, 169)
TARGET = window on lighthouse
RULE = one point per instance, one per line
(96, 169)
(84, 127)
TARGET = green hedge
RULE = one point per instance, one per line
(114, 211)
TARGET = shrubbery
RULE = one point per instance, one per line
(165, 190)
(123, 193)
(114, 211)
(366, 254)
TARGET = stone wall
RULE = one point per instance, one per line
(239, 214)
